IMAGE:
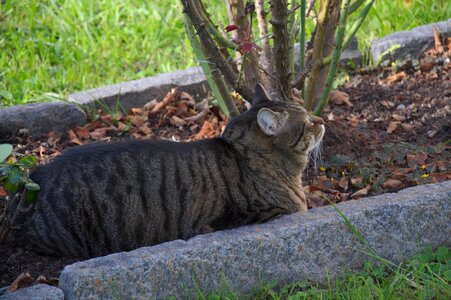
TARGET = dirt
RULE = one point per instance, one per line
(395, 135)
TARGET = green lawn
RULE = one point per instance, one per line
(424, 276)
(51, 48)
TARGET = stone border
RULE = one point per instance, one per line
(295, 247)
(412, 43)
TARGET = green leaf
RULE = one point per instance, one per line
(28, 161)
(5, 151)
(447, 275)
(30, 196)
(31, 186)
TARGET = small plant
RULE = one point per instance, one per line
(14, 174)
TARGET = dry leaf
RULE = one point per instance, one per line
(82, 132)
(438, 46)
(396, 77)
(73, 137)
(344, 182)
(392, 184)
(41, 279)
(339, 98)
(177, 121)
(137, 111)
(315, 200)
(145, 129)
(354, 121)
(330, 116)
(207, 131)
(166, 100)
(398, 117)
(22, 280)
(136, 120)
(151, 104)
(100, 132)
(419, 158)
(361, 192)
(439, 177)
(3, 192)
(122, 126)
(407, 127)
(392, 126)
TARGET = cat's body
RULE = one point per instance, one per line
(104, 198)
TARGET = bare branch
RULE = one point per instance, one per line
(266, 57)
(279, 21)
(318, 44)
(237, 16)
(212, 51)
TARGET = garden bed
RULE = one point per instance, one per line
(394, 136)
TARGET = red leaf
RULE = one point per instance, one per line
(231, 27)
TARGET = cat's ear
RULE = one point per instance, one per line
(260, 94)
(271, 122)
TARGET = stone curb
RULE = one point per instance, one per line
(40, 118)
(295, 247)
(136, 93)
(412, 43)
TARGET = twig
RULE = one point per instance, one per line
(311, 5)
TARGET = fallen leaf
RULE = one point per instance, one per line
(3, 192)
(314, 201)
(177, 121)
(207, 131)
(392, 184)
(41, 279)
(339, 98)
(387, 103)
(398, 117)
(145, 129)
(392, 126)
(438, 46)
(151, 104)
(407, 127)
(344, 182)
(354, 121)
(416, 159)
(136, 120)
(82, 132)
(22, 280)
(439, 177)
(137, 111)
(330, 116)
(441, 165)
(396, 77)
(100, 132)
(356, 180)
(166, 100)
(122, 126)
(361, 192)
(73, 137)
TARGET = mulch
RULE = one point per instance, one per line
(386, 129)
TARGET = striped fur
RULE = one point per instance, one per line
(104, 198)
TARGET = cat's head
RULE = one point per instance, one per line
(282, 129)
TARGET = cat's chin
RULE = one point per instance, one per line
(318, 138)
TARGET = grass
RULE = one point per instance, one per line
(51, 48)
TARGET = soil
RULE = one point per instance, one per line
(396, 134)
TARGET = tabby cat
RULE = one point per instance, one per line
(104, 198)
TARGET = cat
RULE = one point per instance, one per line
(99, 198)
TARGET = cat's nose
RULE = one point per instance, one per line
(317, 120)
